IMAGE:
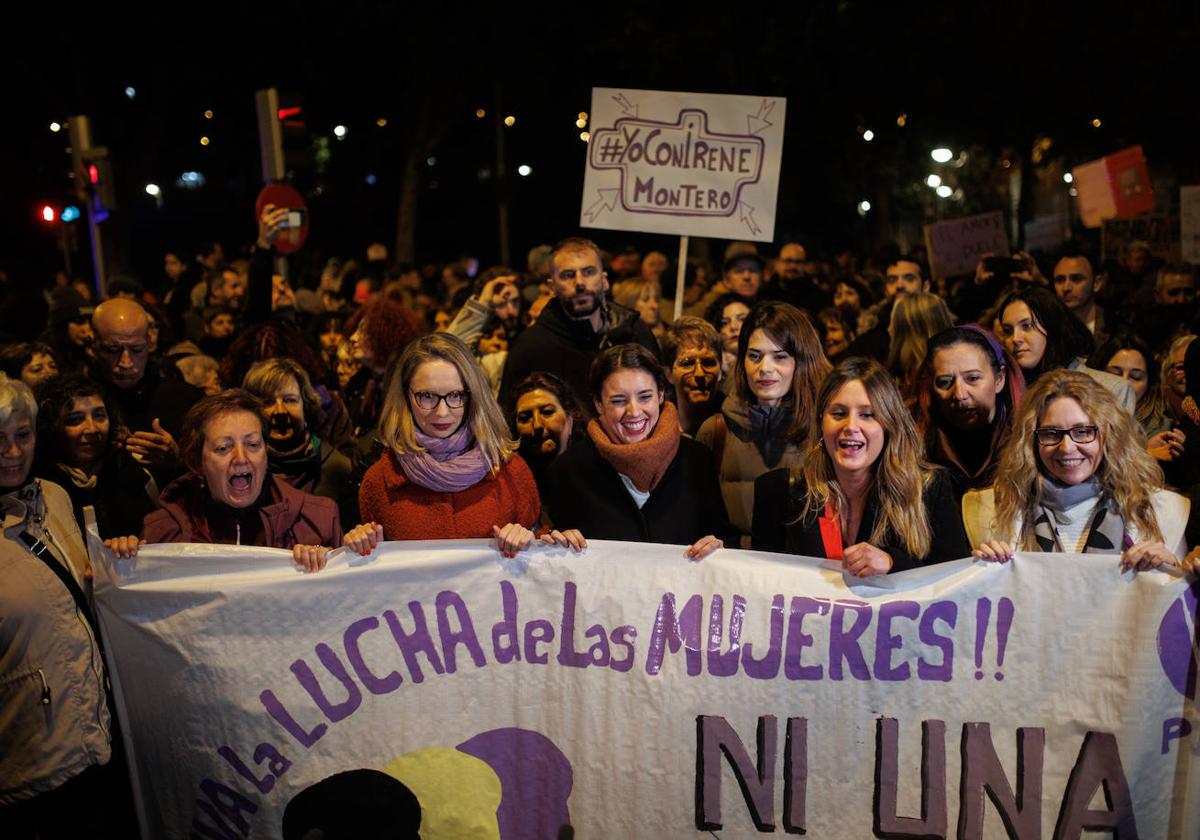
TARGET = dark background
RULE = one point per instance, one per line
(994, 78)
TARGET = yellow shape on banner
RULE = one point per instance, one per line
(459, 794)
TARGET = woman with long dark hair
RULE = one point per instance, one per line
(76, 450)
(1043, 335)
(766, 417)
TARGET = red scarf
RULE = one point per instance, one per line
(646, 461)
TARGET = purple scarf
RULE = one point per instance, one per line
(448, 464)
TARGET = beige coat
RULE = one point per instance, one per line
(54, 721)
(1171, 510)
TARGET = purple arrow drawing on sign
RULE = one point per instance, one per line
(606, 201)
(759, 122)
(747, 217)
(627, 107)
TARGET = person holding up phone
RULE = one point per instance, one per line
(995, 276)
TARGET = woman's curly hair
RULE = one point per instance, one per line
(1128, 474)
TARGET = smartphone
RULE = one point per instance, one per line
(295, 219)
(1002, 266)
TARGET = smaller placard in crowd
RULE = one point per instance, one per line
(955, 246)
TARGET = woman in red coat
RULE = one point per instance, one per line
(228, 496)
(453, 471)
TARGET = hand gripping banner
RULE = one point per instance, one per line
(626, 692)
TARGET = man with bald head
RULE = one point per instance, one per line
(152, 406)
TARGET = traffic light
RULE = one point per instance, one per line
(100, 179)
(49, 214)
(93, 171)
(294, 135)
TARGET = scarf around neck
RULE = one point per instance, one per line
(767, 426)
(1105, 530)
(446, 465)
(646, 461)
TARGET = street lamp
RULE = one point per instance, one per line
(941, 155)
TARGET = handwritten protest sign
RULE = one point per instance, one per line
(683, 163)
(955, 246)
(632, 694)
(1189, 224)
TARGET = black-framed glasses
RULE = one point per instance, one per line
(1050, 436)
(428, 400)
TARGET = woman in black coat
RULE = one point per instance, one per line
(634, 476)
(76, 450)
(864, 494)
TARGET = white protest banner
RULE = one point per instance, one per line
(633, 694)
(1189, 224)
(955, 246)
(693, 164)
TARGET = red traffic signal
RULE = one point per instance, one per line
(49, 214)
(93, 173)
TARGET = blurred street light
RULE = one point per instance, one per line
(152, 189)
(524, 170)
(339, 131)
(868, 135)
(944, 191)
(934, 181)
(941, 155)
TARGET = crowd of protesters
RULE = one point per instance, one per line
(859, 411)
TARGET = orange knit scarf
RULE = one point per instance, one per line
(646, 461)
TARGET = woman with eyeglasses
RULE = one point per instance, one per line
(451, 470)
(1074, 478)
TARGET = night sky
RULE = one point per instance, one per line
(994, 77)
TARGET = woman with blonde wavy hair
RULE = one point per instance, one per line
(864, 494)
(915, 318)
(451, 470)
(1075, 478)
